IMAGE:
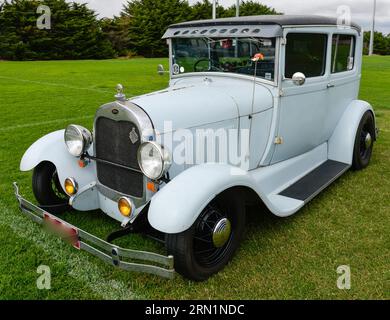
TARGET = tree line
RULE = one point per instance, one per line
(56, 29)
(75, 32)
(71, 31)
(381, 43)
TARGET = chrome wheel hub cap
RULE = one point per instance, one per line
(368, 140)
(221, 232)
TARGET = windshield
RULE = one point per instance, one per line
(232, 55)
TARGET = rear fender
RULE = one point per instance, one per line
(342, 142)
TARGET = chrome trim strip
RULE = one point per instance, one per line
(106, 251)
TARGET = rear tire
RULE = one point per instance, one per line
(364, 142)
(194, 250)
(46, 185)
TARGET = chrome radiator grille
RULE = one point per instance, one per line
(113, 144)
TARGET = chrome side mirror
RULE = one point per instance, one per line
(298, 78)
(160, 70)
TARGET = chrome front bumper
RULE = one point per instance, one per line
(106, 251)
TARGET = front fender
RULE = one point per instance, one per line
(52, 148)
(176, 206)
(342, 142)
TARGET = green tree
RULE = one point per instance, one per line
(202, 10)
(250, 8)
(75, 32)
(116, 30)
(381, 43)
(149, 20)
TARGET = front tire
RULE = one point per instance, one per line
(364, 142)
(208, 246)
(46, 185)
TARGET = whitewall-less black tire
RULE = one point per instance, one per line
(46, 185)
(364, 142)
(198, 252)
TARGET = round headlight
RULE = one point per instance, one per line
(77, 139)
(153, 160)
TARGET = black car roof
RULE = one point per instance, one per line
(281, 20)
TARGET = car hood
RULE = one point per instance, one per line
(198, 102)
(187, 107)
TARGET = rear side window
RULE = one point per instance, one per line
(343, 53)
(306, 53)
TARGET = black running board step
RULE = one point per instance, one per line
(314, 182)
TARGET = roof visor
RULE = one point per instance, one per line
(236, 31)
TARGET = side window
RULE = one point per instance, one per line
(343, 53)
(306, 53)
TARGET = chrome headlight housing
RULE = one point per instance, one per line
(154, 160)
(77, 139)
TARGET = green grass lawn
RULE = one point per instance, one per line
(292, 258)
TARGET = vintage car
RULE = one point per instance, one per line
(280, 93)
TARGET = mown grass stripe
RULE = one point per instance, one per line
(55, 84)
(78, 265)
(42, 123)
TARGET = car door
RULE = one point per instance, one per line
(344, 76)
(302, 108)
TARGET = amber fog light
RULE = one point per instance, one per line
(125, 207)
(70, 186)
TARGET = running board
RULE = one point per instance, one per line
(314, 182)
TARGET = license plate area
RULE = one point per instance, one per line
(65, 231)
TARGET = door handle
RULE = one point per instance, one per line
(329, 85)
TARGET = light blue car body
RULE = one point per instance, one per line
(294, 129)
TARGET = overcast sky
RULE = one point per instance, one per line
(361, 9)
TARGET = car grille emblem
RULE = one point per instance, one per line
(133, 136)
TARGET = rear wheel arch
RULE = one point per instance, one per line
(342, 141)
(247, 194)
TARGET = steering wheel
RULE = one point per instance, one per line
(211, 68)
